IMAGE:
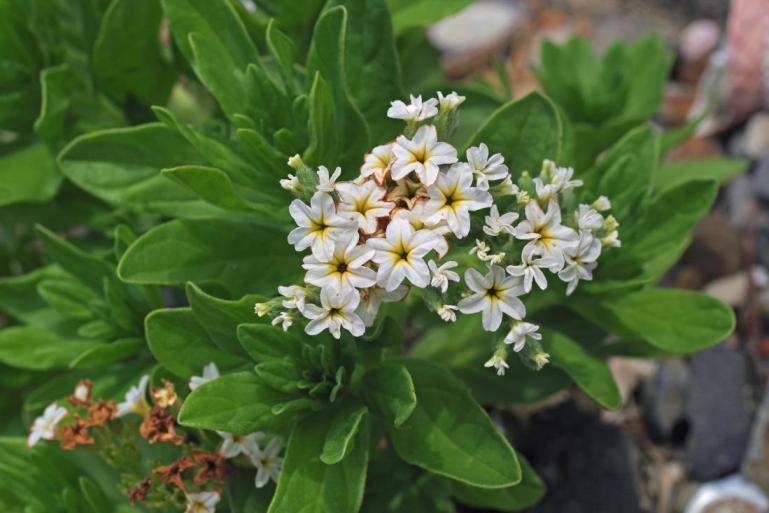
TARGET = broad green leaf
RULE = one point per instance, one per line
(69, 297)
(213, 251)
(408, 14)
(284, 52)
(389, 391)
(180, 343)
(451, 435)
(307, 484)
(33, 348)
(235, 403)
(589, 372)
(57, 86)
(676, 172)
(213, 186)
(323, 124)
(104, 354)
(348, 417)
(127, 56)
(525, 132)
(678, 321)
(88, 269)
(20, 300)
(28, 175)
(263, 342)
(122, 167)
(525, 494)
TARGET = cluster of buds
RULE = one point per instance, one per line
(376, 238)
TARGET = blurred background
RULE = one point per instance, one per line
(693, 434)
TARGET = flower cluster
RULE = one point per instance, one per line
(376, 238)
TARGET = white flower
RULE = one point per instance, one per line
(496, 224)
(319, 226)
(545, 191)
(450, 102)
(135, 399)
(295, 161)
(481, 249)
(442, 275)
(531, 270)
(417, 110)
(267, 462)
(210, 373)
(291, 183)
(448, 312)
(372, 299)
(421, 155)
(44, 427)
(419, 219)
(561, 176)
(327, 183)
(519, 332)
(588, 219)
(400, 254)
(343, 269)
(580, 261)
(498, 362)
(203, 502)
(494, 295)
(545, 233)
(378, 162)
(507, 188)
(337, 311)
(495, 259)
(601, 204)
(262, 309)
(295, 297)
(364, 203)
(83, 391)
(611, 240)
(235, 445)
(452, 197)
(285, 319)
(541, 359)
(486, 168)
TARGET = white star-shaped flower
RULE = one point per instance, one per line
(485, 168)
(441, 276)
(294, 295)
(44, 427)
(285, 319)
(531, 270)
(319, 226)
(327, 183)
(344, 269)
(372, 298)
(416, 110)
(545, 233)
(496, 224)
(498, 362)
(135, 399)
(291, 183)
(449, 102)
(448, 313)
(364, 203)
(203, 502)
(268, 462)
(235, 445)
(337, 311)
(421, 155)
(210, 373)
(377, 163)
(580, 261)
(588, 219)
(400, 254)
(452, 197)
(519, 332)
(494, 295)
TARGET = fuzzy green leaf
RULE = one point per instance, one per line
(389, 391)
(525, 494)
(28, 175)
(348, 417)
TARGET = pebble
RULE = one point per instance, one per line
(664, 399)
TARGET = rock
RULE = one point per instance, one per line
(587, 465)
(759, 179)
(741, 204)
(756, 464)
(699, 40)
(663, 399)
(754, 141)
(733, 289)
(748, 46)
(677, 102)
(629, 373)
(716, 246)
(718, 412)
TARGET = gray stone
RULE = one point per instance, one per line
(719, 412)
(760, 179)
(756, 464)
(664, 398)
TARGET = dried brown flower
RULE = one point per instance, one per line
(172, 474)
(81, 396)
(101, 412)
(166, 396)
(211, 467)
(158, 426)
(139, 492)
(76, 434)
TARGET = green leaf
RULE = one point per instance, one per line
(323, 124)
(678, 321)
(28, 175)
(408, 14)
(451, 435)
(347, 419)
(236, 403)
(88, 269)
(69, 296)
(122, 167)
(284, 51)
(57, 86)
(33, 348)
(127, 54)
(677, 172)
(264, 342)
(214, 187)
(181, 344)
(105, 354)
(525, 132)
(307, 484)
(389, 391)
(525, 494)
(589, 372)
(212, 252)
(20, 300)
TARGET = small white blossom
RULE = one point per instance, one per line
(83, 391)
(261, 309)
(421, 155)
(588, 219)
(448, 313)
(496, 224)
(452, 197)
(267, 462)
(337, 311)
(495, 259)
(327, 183)
(481, 249)
(135, 399)
(545, 233)
(210, 373)
(295, 297)
(602, 204)
(494, 295)
(400, 254)
(520, 330)
(235, 445)
(203, 502)
(508, 188)
(580, 261)
(485, 168)
(561, 176)
(611, 240)
(531, 270)
(344, 269)
(364, 203)
(319, 226)
(498, 361)
(372, 298)
(416, 110)
(441, 276)
(450, 102)
(378, 163)
(285, 319)
(44, 427)
(295, 162)
(541, 359)
(291, 183)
